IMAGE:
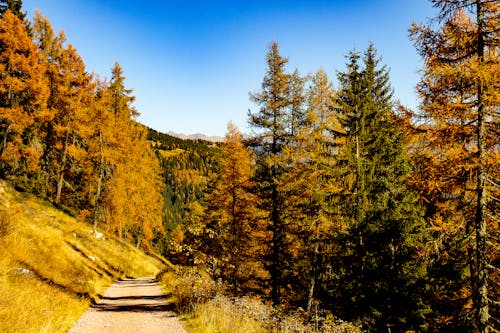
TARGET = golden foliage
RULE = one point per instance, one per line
(23, 92)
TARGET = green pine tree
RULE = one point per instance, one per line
(380, 266)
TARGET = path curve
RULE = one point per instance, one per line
(131, 305)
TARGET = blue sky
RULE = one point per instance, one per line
(192, 64)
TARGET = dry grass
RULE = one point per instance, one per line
(52, 266)
(206, 308)
(225, 315)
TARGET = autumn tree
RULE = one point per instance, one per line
(121, 97)
(380, 264)
(272, 125)
(98, 162)
(308, 188)
(108, 145)
(296, 114)
(131, 196)
(118, 101)
(68, 102)
(23, 98)
(460, 99)
(234, 218)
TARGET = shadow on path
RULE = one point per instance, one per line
(142, 295)
(135, 308)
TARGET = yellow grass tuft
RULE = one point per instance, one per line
(225, 315)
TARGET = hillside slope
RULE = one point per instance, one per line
(187, 166)
(52, 266)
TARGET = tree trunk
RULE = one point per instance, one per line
(481, 283)
(138, 243)
(60, 180)
(276, 248)
(99, 182)
(4, 139)
(312, 284)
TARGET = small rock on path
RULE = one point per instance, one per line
(131, 305)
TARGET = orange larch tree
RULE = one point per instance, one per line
(23, 98)
(234, 218)
(70, 97)
(98, 164)
(132, 201)
(315, 169)
(460, 101)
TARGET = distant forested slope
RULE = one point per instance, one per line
(188, 166)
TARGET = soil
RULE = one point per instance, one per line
(132, 305)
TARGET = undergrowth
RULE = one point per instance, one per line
(208, 307)
(52, 267)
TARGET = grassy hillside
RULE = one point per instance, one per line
(52, 266)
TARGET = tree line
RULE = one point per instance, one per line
(73, 138)
(344, 199)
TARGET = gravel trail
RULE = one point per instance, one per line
(132, 305)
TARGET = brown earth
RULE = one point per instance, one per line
(132, 305)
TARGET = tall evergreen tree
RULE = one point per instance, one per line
(460, 100)
(272, 123)
(380, 267)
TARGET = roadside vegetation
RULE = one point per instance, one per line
(207, 306)
(52, 266)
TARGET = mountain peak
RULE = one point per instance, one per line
(197, 136)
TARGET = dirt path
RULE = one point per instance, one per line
(135, 305)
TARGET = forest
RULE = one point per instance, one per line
(341, 200)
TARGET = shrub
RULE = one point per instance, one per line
(300, 322)
(209, 308)
(190, 287)
(225, 314)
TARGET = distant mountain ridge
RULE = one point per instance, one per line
(196, 136)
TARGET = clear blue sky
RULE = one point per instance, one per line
(192, 64)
